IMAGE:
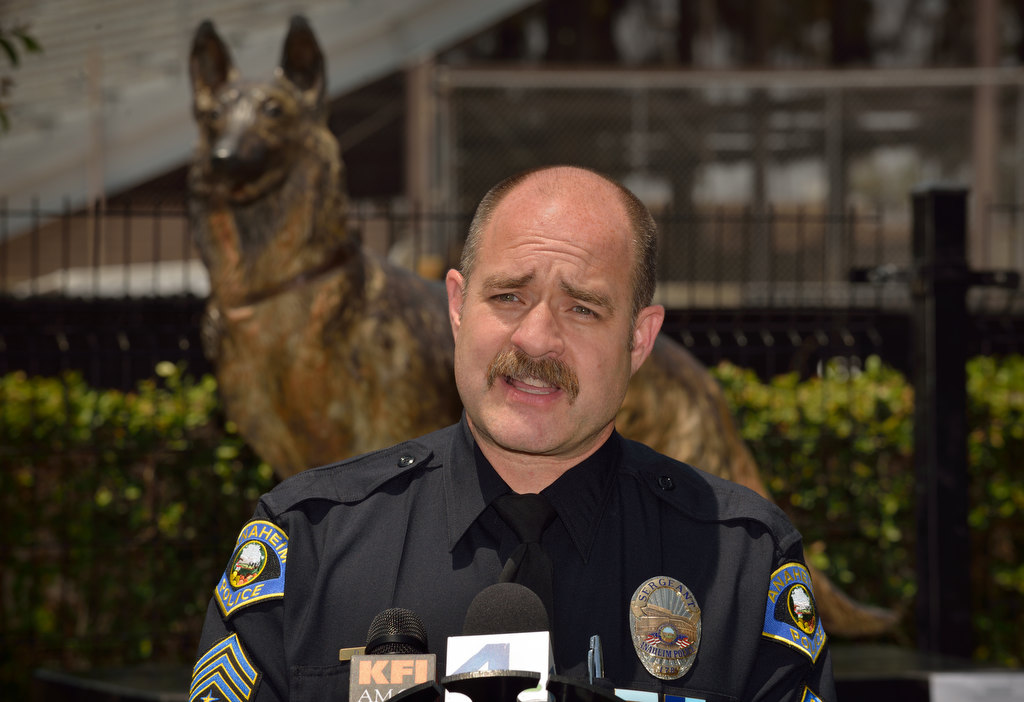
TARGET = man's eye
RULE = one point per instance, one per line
(585, 311)
(505, 297)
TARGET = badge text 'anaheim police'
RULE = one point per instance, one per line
(256, 569)
(791, 616)
(664, 620)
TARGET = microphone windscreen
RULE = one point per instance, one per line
(396, 630)
(505, 608)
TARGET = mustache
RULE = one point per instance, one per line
(513, 363)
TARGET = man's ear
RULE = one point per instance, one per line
(453, 282)
(648, 324)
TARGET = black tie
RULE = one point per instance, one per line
(528, 516)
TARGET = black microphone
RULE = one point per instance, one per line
(505, 608)
(395, 658)
(396, 630)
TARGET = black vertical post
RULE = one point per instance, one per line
(939, 289)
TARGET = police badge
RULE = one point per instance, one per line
(664, 621)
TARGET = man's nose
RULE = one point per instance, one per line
(539, 332)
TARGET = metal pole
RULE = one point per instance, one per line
(939, 289)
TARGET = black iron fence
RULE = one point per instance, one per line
(112, 291)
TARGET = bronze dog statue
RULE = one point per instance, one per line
(323, 350)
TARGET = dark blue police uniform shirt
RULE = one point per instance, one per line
(411, 526)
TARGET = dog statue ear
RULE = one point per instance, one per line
(302, 62)
(210, 63)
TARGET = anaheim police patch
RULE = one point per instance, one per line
(224, 674)
(790, 615)
(256, 570)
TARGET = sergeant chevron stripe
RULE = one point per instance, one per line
(224, 674)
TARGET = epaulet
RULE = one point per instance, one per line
(706, 497)
(350, 480)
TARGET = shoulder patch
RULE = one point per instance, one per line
(224, 673)
(256, 570)
(790, 615)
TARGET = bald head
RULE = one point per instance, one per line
(637, 223)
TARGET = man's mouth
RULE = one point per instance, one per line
(543, 376)
(531, 385)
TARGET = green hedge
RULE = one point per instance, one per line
(837, 453)
(117, 510)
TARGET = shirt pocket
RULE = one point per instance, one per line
(315, 683)
(654, 692)
(675, 694)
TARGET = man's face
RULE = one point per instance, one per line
(543, 329)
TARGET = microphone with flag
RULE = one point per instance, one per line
(504, 650)
(505, 654)
(395, 658)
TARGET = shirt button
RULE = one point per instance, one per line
(406, 461)
(666, 483)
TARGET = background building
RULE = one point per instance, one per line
(720, 114)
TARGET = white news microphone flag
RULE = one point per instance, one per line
(526, 651)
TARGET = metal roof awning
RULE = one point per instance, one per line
(107, 105)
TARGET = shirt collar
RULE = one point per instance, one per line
(578, 495)
(470, 483)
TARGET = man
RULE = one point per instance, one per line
(695, 585)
